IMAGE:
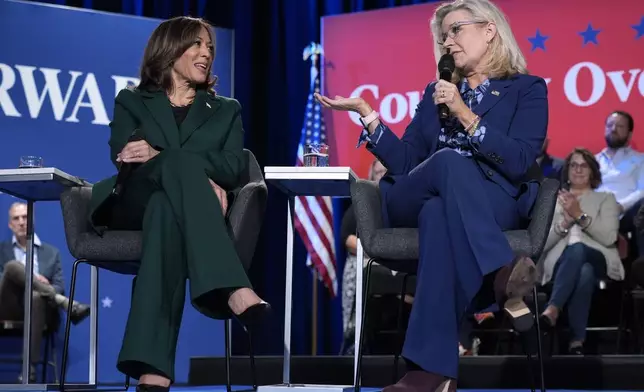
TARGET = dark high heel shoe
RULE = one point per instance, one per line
(547, 321)
(511, 284)
(253, 314)
(422, 381)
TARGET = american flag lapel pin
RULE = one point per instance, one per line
(494, 92)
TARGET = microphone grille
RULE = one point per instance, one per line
(446, 62)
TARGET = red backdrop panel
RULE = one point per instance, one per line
(386, 56)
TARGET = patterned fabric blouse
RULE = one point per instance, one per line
(454, 136)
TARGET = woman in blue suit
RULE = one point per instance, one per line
(462, 183)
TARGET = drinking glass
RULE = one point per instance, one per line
(316, 155)
(30, 162)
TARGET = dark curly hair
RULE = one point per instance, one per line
(595, 174)
(166, 44)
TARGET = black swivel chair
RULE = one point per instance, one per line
(397, 249)
(120, 251)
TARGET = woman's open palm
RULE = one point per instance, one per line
(341, 103)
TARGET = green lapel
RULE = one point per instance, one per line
(203, 107)
(159, 106)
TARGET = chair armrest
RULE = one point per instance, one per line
(542, 214)
(74, 205)
(379, 242)
(365, 197)
(399, 244)
(246, 217)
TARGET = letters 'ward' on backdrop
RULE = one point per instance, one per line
(60, 69)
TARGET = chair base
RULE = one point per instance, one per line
(26, 387)
(56, 387)
(536, 328)
(61, 386)
(305, 388)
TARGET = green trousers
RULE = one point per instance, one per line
(185, 236)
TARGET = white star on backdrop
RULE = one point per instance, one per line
(107, 302)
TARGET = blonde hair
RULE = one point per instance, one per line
(504, 57)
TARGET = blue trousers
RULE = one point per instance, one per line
(574, 281)
(460, 215)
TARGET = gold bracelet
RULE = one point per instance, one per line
(471, 129)
(472, 123)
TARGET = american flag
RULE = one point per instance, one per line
(314, 214)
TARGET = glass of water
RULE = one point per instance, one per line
(30, 162)
(316, 155)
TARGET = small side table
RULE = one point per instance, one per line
(32, 185)
(311, 181)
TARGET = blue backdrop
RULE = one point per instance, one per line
(59, 74)
(271, 83)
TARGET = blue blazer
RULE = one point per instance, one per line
(49, 264)
(515, 112)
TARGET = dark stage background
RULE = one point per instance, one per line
(271, 83)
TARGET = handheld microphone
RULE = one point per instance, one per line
(125, 169)
(446, 66)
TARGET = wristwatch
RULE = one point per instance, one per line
(583, 220)
(369, 118)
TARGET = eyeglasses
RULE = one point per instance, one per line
(575, 165)
(455, 28)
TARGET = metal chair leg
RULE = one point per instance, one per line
(227, 349)
(400, 335)
(526, 348)
(68, 321)
(362, 328)
(620, 326)
(535, 298)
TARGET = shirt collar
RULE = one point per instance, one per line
(621, 151)
(481, 88)
(14, 240)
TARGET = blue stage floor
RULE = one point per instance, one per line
(222, 388)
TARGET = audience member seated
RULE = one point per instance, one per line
(622, 169)
(581, 247)
(550, 166)
(48, 285)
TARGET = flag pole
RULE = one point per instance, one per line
(314, 316)
(312, 52)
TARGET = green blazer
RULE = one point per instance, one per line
(212, 131)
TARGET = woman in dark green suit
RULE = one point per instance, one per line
(190, 155)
